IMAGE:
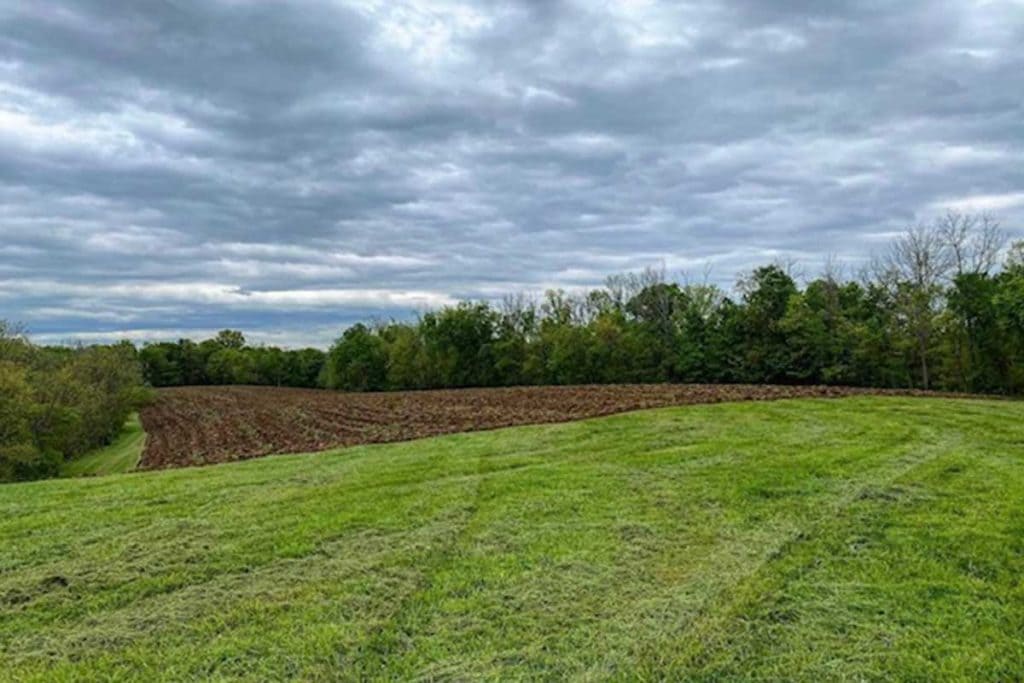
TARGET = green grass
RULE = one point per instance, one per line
(122, 455)
(854, 539)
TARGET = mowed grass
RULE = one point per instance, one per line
(122, 455)
(853, 539)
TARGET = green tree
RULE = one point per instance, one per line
(160, 365)
(976, 355)
(766, 295)
(231, 366)
(230, 339)
(1009, 308)
(515, 336)
(20, 457)
(358, 361)
(459, 343)
(14, 345)
(407, 358)
(655, 308)
(304, 367)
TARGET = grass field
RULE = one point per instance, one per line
(849, 539)
(120, 456)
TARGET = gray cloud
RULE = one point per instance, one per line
(291, 167)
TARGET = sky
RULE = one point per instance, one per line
(173, 168)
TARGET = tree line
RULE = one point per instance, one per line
(228, 359)
(941, 308)
(57, 403)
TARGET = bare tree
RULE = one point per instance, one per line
(973, 241)
(563, 308)
(833, 270)
(702, 296)
(624, 286)
(1015, 255)
(686, 280)
(791, 266)
(921, 256)
(519, 313)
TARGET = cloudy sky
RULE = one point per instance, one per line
(174, 167)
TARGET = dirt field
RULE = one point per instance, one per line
(189, 426)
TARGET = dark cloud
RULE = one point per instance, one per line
(172, 168)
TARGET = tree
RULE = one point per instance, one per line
(654, 309)
(160, 364)
(407, 358)
(766, 294)
(358, 361)
(191, 360)
(1015, 258)
(976, 351)
(913, 273)
(624, 351)
(822, 326)
(1009, 307)
(974, 243)
(459, 344)
(563, 353)
(14, 345)
(696, 316)
(516, 332)
(305, 366)
(231, 366)
(20, 457)
(271, 365)
(973, 240)
(230, 339)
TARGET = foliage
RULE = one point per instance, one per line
(20, 457)
(228, 359)
(58, 403)
(358, 362)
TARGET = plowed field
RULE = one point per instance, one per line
(189, 426)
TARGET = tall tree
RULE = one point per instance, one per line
(913, 272)
(766, 294)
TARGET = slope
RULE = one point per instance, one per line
(862, 538)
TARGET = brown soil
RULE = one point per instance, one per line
(189, 426)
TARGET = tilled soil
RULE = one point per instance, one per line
(188, 426)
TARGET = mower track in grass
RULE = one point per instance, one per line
(855, 539)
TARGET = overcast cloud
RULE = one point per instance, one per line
(173, 168)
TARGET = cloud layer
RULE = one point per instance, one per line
(287, 168)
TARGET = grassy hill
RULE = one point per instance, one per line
(856, 539)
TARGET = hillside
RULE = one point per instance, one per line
(860, 538)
